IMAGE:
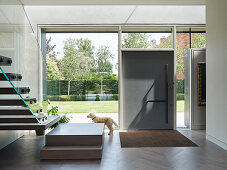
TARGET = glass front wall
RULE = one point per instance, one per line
(82, 74)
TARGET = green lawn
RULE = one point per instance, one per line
(86, 106)
(95, 106)
(180, 106)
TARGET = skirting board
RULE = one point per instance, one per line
(216, 141)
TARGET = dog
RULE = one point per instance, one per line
(107, 120)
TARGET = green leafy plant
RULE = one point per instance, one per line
(63, 119)
(53, 111)
(35, 107)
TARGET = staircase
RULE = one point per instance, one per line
(15, 114)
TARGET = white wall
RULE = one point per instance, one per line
(9, 136)
(18, 42)
(216, 72)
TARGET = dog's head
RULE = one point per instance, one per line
(91, 115)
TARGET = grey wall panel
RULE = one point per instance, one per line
(140, 69)
(199, 112)
(195, 115)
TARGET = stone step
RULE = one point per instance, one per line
(76, 134)
(71, 152)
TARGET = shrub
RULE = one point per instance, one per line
(180, 96)
(83, 97)
(66, 97)
(180, 85)
(115, 96)
(81, 87)
(97, 98)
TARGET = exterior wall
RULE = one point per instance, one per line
(216, 72)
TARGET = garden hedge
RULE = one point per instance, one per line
(81, 87)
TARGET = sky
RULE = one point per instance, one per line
(97, 40)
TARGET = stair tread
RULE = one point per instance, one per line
(16, 77)
(15, 102)
(2, 108)
(30, 126)
(16, 116)
(72, 148)
(11, 90)
(5, 61)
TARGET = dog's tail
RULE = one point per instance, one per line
(115, 123)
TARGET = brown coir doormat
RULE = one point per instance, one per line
(154, 138)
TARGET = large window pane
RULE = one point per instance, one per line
(146, 37)
(82, 73)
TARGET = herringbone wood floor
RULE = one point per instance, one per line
(24, 154)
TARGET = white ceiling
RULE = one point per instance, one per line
(115, 15)
(113, 2)
(120, 14)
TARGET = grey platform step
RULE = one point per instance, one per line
(71, 152)
(18, 119)
(30, 126)
(9, 90)
(5, 61)
(11, 76)
(15, 111)
(76, 134)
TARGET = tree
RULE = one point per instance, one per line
(198, 40)
(77, 62)
(85, 46)
(136, 40)
(76, 66)
(53, 72)
(50, 49)
(70, 47)
(103, 60)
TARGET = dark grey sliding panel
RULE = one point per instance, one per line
(147, 87)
